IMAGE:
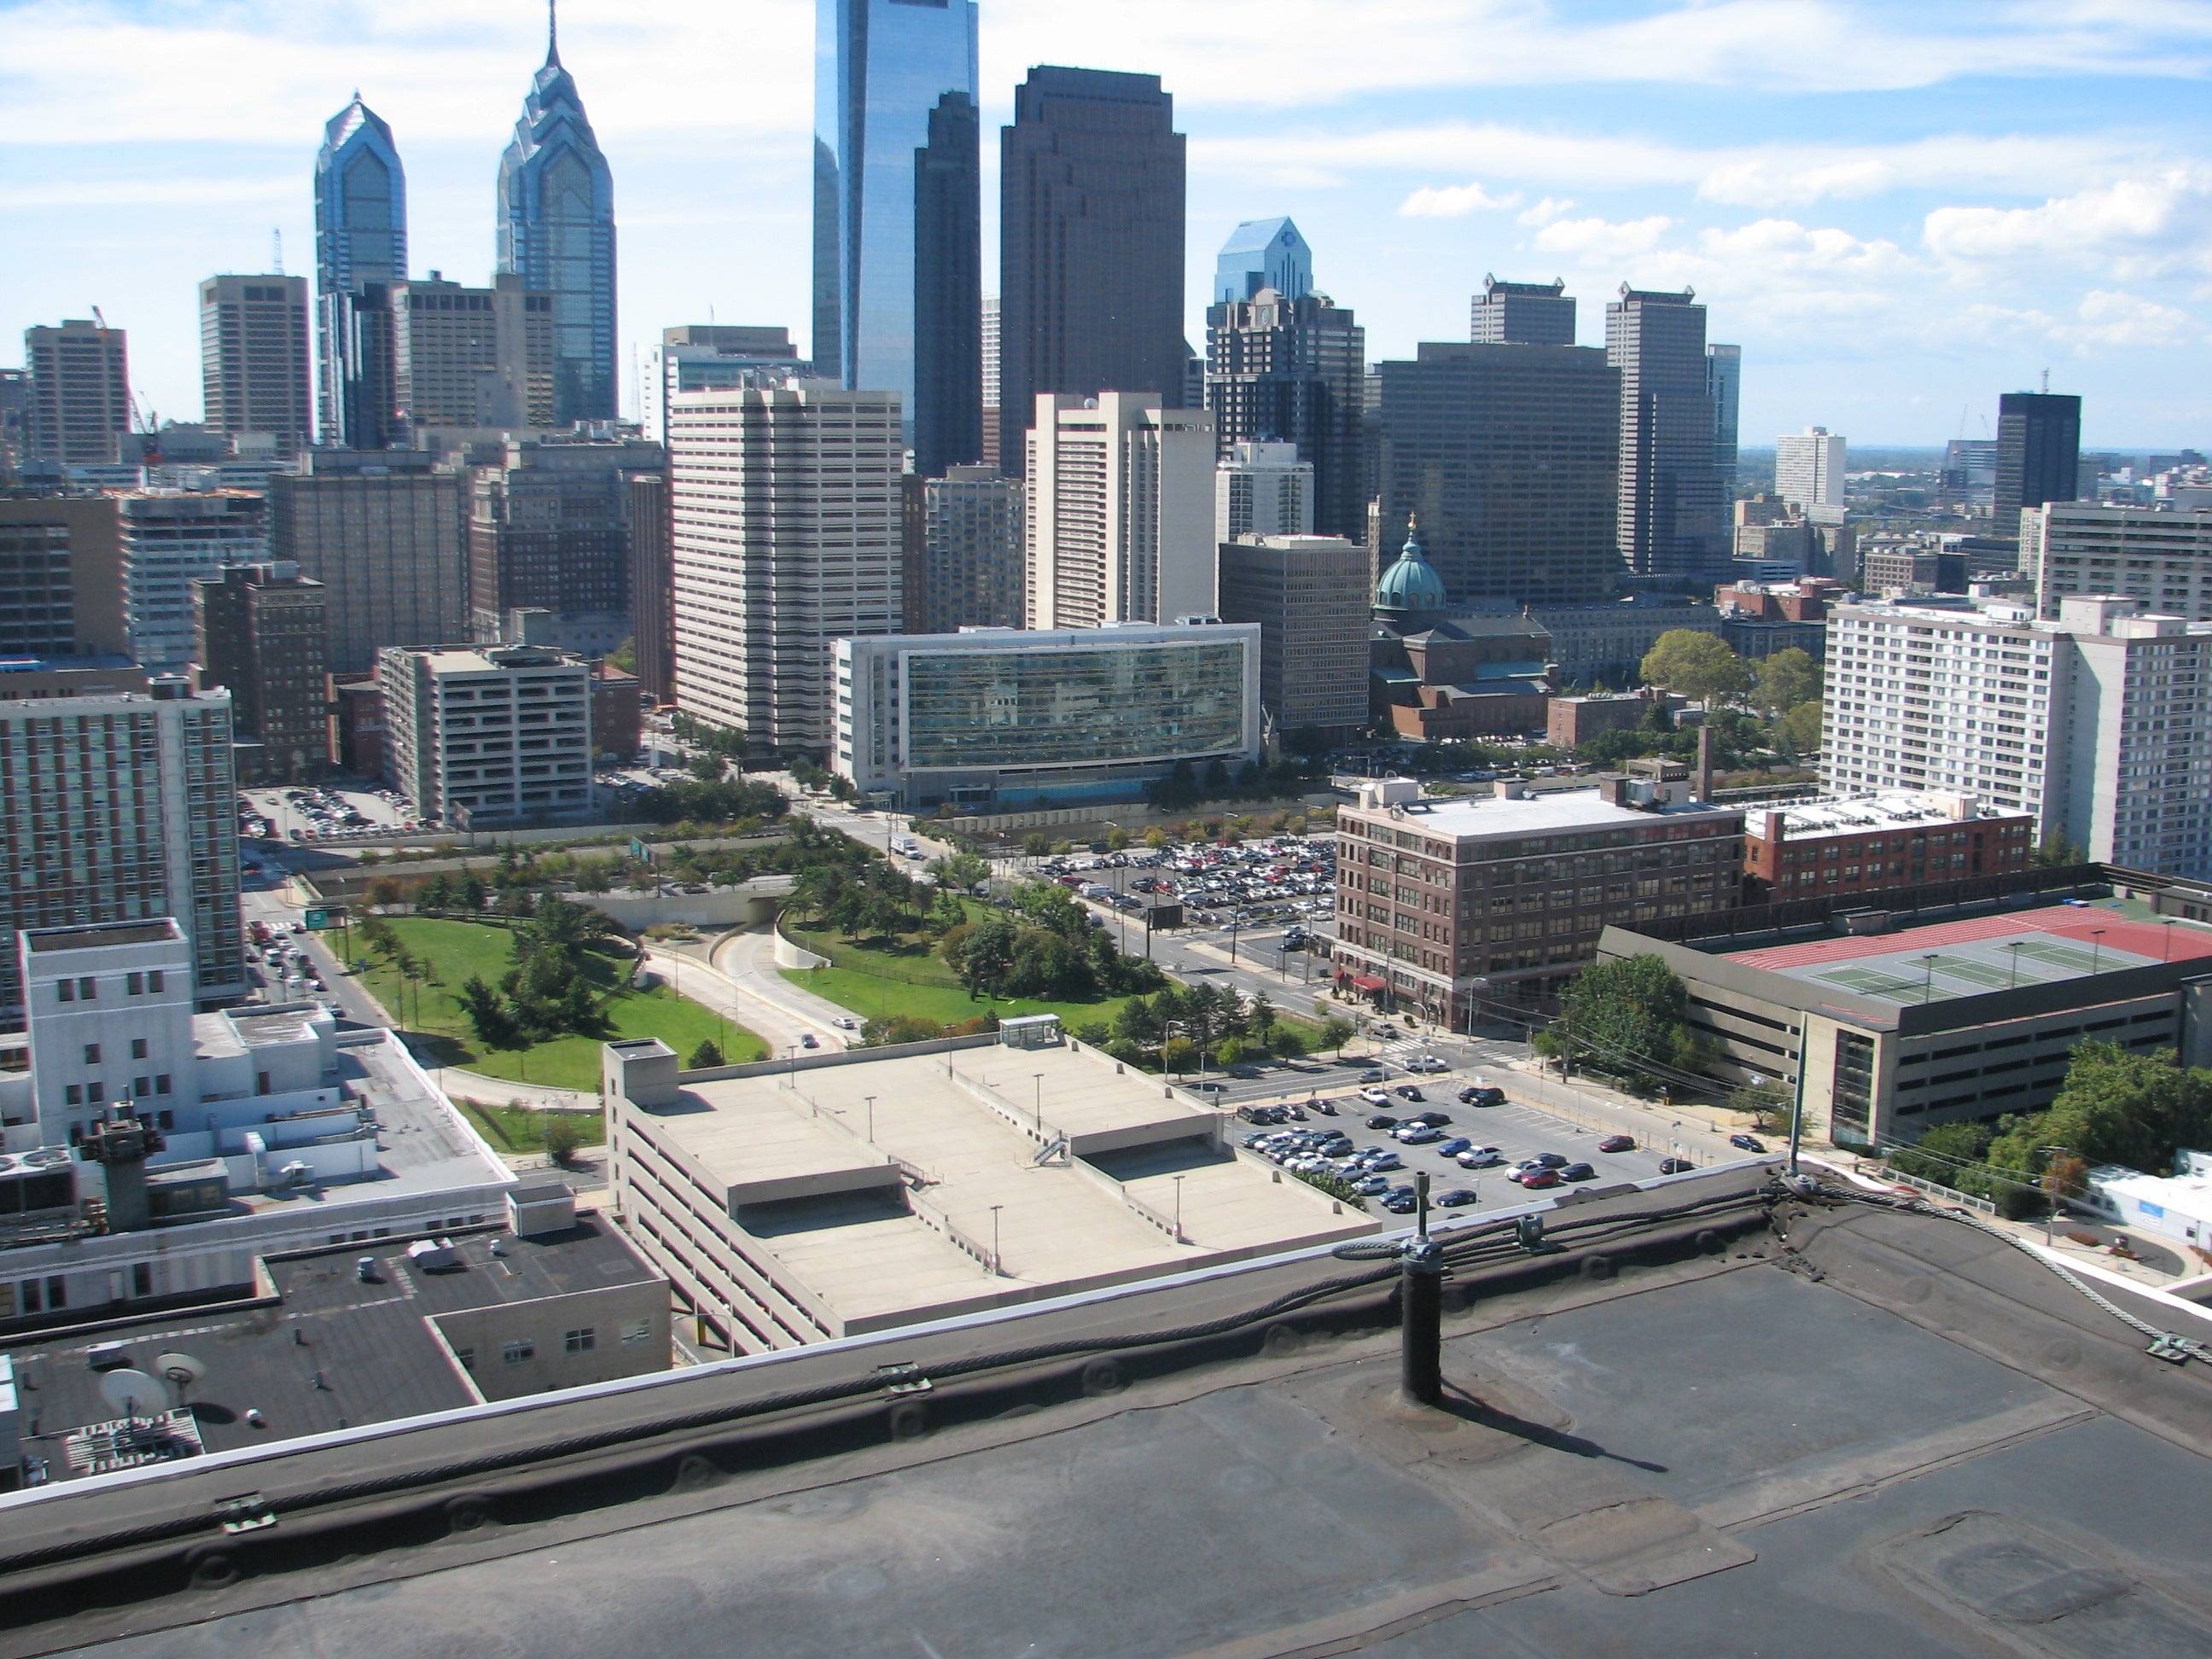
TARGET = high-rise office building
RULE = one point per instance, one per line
(489, 736)
(14, 411)
(1724, 379)
(61, 577)
(1970, 468)
(1120, 512)
(972, 560)
(715, 357)
(470, 357)
(556, 232)
(254, 375)
(1808, 472)
(2039, 454)
(1091, 253)
(2099, 720)
(1294, 371)
(991, 430)
(760, 595)
(549, 530)
(365, 397)
(1673, 516)
(2160, 556)
(257, 632)
(1506, 453)
(1262, 489)
(652, 586)
(123, 808)
(172, 538)
(1522, 314)
(897, 226)
(1263, 254)
(384, 532)
(360, 241)
(1311, 597)
(79, 392)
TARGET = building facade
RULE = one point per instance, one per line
(652, 586)
(1262, 489)
(1522, 313)
(470, 357)
(1292, 370)
(1672, 514)
(972, 553)
(1867, 843)
(2157, 555)
(1120, 511)
(556, 232)
(259, 633)
(62, 596)
(495, 738)
(715, 357)
(1809, 469)
(1091, 252)
(550, 529)
(1452, 906)
(15, 413)
(1262, 253)
(80, 404)
(995, 719)
(2039, 456)
(170, 539)
(1606, 644)
(385, 533)
(123, 809)
(785, 515)
(361, 243)
(254, 372)
(1309, 594)
(1507, 454)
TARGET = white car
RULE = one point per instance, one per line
(846, 1022)
(1375, 1096)
(1428, 1063)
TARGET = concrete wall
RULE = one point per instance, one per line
(748, 906)
(629, 1334)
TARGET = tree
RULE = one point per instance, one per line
(1801, 728)
(1287, 1040)
(563, 1137)
(2117, 1107)
(382, 893)
(1629, 1014)
(1036, 844)
(706, 1057)
(1787, 679)
(487, 1013)
(1700, 667)
(2056, 852)
(1178, 1054)
(1335, 1031)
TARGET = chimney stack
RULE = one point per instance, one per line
(1706, 760)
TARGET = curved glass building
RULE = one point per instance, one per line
(361, 246)
(898, 215)
(557, 230)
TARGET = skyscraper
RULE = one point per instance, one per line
(971, 553)
(991, 429)
(14, 408)
(1507, 455)
(470, 356)
(2039, 454)
(1120, 512)
(257, 632)
(556, 231)
(253, 358)
(170, 539)
(360, 239)
(79, 392)
(1263, 254)
(1262, 489)
(713, 357)
(1808, 472)
(897, 231)
(1293, 371)
(549, 530)
(1522, 314)
(761, 594)
(1673, 521)
(1724, 379)
(1091, 255)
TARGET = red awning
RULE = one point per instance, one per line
(1366, 983)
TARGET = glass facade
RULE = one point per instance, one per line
(1003, 709)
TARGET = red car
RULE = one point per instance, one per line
(1536, 1178)
(1617, 1143)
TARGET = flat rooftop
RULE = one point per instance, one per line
(93, 938)
(1984, 954)
(1808, 820)
(873, 1229)
(1482, 816)
(331, 1352)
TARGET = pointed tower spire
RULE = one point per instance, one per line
(552, 33)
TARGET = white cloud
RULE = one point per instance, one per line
(1455, 201)
(1600, 241)
(2134, 227)
(1551, 208)
(2127, 321)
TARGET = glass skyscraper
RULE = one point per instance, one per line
(556, 229)
(360, 239)
(898, 215)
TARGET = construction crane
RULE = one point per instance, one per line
(138, 423)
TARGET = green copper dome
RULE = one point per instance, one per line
(1412, 584)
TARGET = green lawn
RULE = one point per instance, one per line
(456, 950)
(520, 1129)
(874, 998)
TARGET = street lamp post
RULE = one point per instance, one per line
(872, 1119)
(1927, 989)
(996, 1266)
(2013, 982)
(1038, 1078)
(1178, 1215)
(2096, 950)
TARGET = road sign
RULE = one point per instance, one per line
(317, 920)
(640, 852)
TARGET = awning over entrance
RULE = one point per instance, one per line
(1368, 982)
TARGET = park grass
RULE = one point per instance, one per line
(872, 997)
(457, 950)
(522, 1129)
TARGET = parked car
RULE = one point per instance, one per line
(1454, 1147)
(1375, 1074)
(1400, 1200)
(1577, 1172)
(1747, 1143)
(1433, 1118)
(1408, 1091)
(1536, 1180)
(1617, 1143)
(1419, 1135)
(1481, 1095)
(1375, 1096)
(1382, 1161)
(1382, 1120)
(1371, 1186)
(1551, 1160)
(1676, 1166)
(1481, 1157)
(1454, 1198)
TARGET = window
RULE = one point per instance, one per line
(161, 1083)
(92, 1054)
(467, 1357)
(154, 980)
(137, 1048)
(87, 989)
(637, 1333)
(582, 1341)
(73, 1094)
(135, 983)
(142, 1279)
(65, 991)
(515, 1353)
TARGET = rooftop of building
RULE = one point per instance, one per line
(1857, 815)
(48, 941)
(324, 1349)
(493, 658)
(1845, 1426)
(1978, 955)
(1485, 817)
(861, 1223)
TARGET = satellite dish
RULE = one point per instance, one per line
(131, 1393)
(182, 1372)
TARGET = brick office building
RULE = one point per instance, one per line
(1863, 844)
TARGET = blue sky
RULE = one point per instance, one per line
(1899, 210)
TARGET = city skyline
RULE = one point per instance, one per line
(1890, 262)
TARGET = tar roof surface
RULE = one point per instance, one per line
(1914, 1442)
(1976, 956)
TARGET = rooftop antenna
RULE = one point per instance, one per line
(552, 32)
(2046, 383)
(276, 252)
